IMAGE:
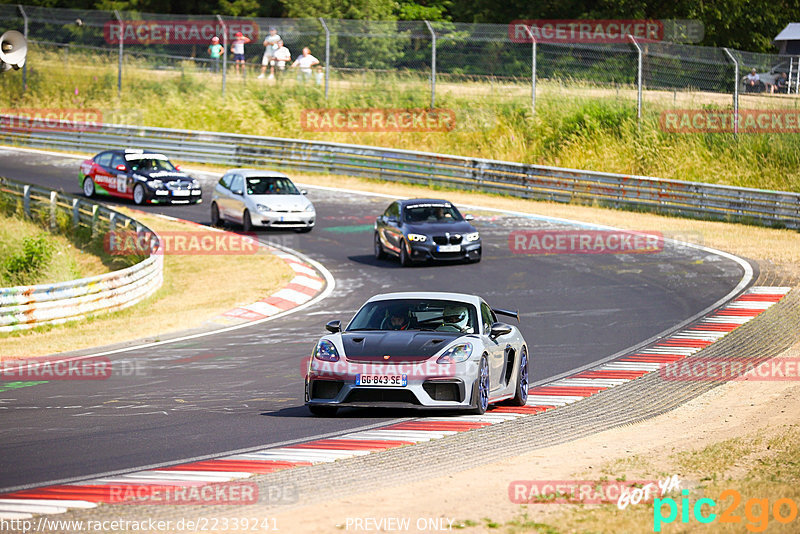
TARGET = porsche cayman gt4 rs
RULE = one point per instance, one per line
(419, 350)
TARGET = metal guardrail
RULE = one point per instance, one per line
(692, 199)
(29, 306)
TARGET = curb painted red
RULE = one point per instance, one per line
(679, 345)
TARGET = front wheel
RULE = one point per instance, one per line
(481, 390)
(322, 411)
(88, 187)
(215, 221)
(138, 194)
(379, 253)
(247, 222)
(521, 392)
(405, 261)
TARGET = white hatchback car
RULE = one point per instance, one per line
(253, 197)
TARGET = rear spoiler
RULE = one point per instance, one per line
(507, 313)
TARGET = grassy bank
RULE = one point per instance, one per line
(30, 255)
(574, 126)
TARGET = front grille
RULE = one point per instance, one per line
(325, 389)
(444, 391)
(454, 239)
(178, 185)
(381, 395)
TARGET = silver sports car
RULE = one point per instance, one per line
(419, 350)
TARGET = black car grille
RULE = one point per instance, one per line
(444, 391)
(325, 389)
(381, 395)
(173, 185)
(454, 239)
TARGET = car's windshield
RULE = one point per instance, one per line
(262, 185)
(416, 314)
(151, 164)
(427, 213)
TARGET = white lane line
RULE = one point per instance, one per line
(263, 308)
(683, 351)
(709, 335)
(400, 435)
(52, 502)
(292, 295)
(32, 509)
(589, 382)
(768, 290)
(728, 319)
(553, 400)
(750, 305)
(300, 268)
(14, 515)
(307, 282)
(630, 366)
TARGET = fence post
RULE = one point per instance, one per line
(53, 208)
(25, 34)
(433, 64)
(76, 212)
(638, 78)
(26, 200)
(121, 41)
(327, 53)
(533, 70)
(735, 92)
(224, 52)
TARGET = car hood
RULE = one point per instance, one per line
(166, 176)
(400, 346)
(432, 228)
(282, 202)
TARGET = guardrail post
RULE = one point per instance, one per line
(112, 221)
(76, 212)
(25, 34)
(433, 64)
(533, 70)
(26, 200)
(224, 52)
(121, 41)
(95, 216)
(735, 92)
(53, 206)
(638, 78)
(327, 53)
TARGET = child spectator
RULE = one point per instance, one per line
(215, 51)
(237, 47)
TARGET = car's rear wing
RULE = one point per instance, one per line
(507, 313)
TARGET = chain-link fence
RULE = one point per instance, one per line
(438, 56)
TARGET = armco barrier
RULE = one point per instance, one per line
(28, 306)
(693, 199)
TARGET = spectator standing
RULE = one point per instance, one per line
(270, 47)
(305, 62)
(281, 57)
(237, 47)
(215, 51)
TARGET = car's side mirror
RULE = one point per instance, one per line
(303, 192)
(238, 192)
(391, 219)
(469, 217)
(121, 167)
(499, 329)
(334, 327)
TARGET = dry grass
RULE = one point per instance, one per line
(196, 288)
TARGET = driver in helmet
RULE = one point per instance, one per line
(454, 317)
(397, 318)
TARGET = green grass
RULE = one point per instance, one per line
(575, 125)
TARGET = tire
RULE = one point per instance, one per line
(379, 252)
(521, 391)
(322, 411)
(405, 261)
(247, 222)
(138, 194)
(215, 220)
(88, 187)
(481, 389)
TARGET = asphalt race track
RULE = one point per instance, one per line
(244, 388)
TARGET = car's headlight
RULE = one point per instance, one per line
(155, 184)
(417, 237)
(326, 351)
(261, 208)
(474, 236)
(195, 184)
(310, 207)
(456, 354)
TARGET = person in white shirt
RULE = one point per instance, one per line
(753, 82)
(304, 63)
(270, 46)
(237, 47)
(281, 57)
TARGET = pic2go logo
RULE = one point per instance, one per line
(756, 511)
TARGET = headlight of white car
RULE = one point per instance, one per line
(310, 207)
(261, 208)
(326, 351)
(417, 237)
(456, 354)
(474, 236)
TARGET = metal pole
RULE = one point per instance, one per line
(735, 92)
(121, 40)
(533, 70)
(433, 64)
(25, 34)
(327, 53)
(638, 78)
(224, 52)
